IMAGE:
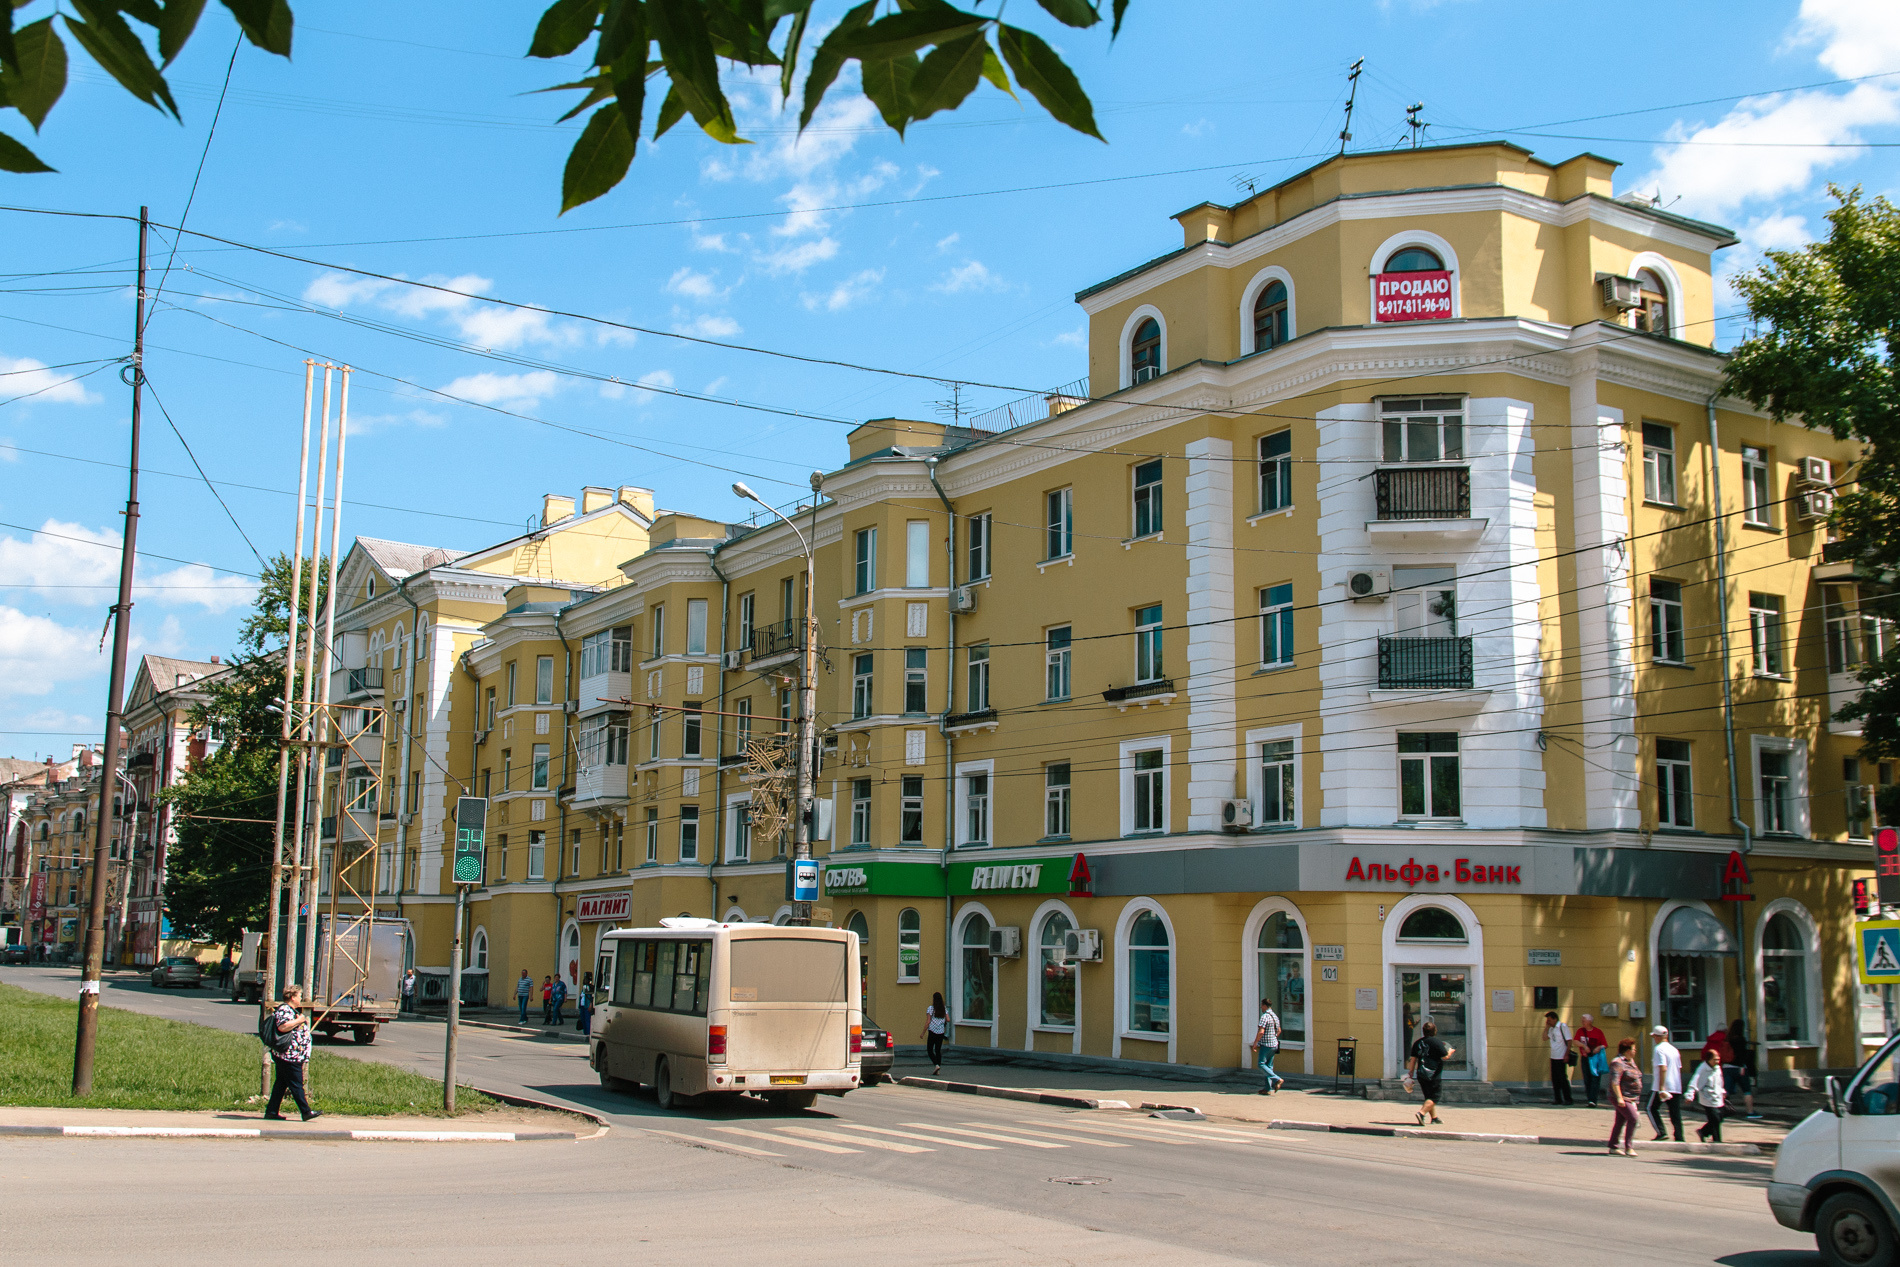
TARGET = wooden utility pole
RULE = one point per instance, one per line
(121, 634)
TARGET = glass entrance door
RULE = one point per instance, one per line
(1440, 995)
(1685, 987)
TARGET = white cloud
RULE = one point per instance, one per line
(944, 244)
(709, 241)
(1856, 37)
(1076, 338)
(1200, 127)
(969, 276)
(59, 564)
(24, 376)
(693, 285)
(8, 453)
(706, 325)
(847, 292)
(651, 379)
(1779, 232)
(796, 259)
(37, 654)
(369, 424)
(483, 325)
(712, 388)
(519, 391)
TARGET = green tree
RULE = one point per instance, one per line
(1830, 314)
(915, 58)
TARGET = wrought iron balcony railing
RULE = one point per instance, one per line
(1424, 664)
(1424, 492)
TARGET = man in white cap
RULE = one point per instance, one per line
(1666, 1063)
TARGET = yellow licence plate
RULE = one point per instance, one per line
(788, 1079)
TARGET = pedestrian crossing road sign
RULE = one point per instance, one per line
(1878, 943)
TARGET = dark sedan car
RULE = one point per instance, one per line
(16, 953)
(178, 970)
(875, 1057)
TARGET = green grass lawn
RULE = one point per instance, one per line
(143, 1062)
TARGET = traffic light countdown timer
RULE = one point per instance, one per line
(471, 838)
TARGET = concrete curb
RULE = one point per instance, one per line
(601, 1126)
(279, 1132)
(1013, 1093)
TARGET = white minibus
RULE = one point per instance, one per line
(700, 1008)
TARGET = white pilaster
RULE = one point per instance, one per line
(1211, 634)
(1600, 466)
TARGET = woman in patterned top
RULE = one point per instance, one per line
(289, 1055)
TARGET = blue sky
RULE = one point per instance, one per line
(401, 139)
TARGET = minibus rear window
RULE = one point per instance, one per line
(788, 970)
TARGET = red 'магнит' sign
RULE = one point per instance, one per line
(1411, 296)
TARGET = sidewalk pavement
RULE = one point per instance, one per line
(504, 1125)
(1321, 1105)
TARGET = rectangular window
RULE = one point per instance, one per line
(540, 783)
(1665, 621)
(1659, 463)
(507, 770)
(743, 723)
(911, 815)
(788, 599)
(1764, 634)
(617, 739)
(1061, 524)
(1429, 783)
(653, 736)
(866, 560)
(979, 693)
(1755, 487)
(979, 546)
(574, 855)
(917, 554)
(1150, 791)
(1148, 498)
(537, 855)
(1148, 644)
(1423, 430)
(544, 679)
(689, 833)
(860, 811)
(689, 731)
(695, 626)
(489, 724)
(976, 808)
(511, 683)
(1675, 794)
(910, 945)
(1776, 810)
(741, 850)
(1860, 800)
(653, 835)
(1278, 794)
(620, 659)
(1276, 471)
(1056, 661)
(1276, 625)
(659, 632)
(916, 680)
(861, 685)
(1055, 799)
(487, 786)
(747, 602)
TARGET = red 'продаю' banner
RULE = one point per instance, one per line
(1411, 296)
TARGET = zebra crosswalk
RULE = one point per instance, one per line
(838, 1137)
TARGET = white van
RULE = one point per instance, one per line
(1837, 1174)
(698, 1008)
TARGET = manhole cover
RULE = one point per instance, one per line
(1080, 1181)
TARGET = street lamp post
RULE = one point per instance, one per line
(807, 720)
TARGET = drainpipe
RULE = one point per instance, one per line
(1728, 697)
(719, 748)
(949, 742)
(567, 742)
(408, 733)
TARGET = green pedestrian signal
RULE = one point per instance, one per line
(471, 838)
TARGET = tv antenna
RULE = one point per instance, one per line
(953, 406)
(1416, 124)
(1352, 96)
(1247, 184)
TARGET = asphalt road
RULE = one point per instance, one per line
(896, 1171)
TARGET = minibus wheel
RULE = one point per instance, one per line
(1852, 1231)
(663, 1087)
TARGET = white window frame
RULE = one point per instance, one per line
(979, 546)
(1798, 782)
(659, 630)
(1250, 295)
(1125, 345)
(1151, 634)
(864, 560)
(977, 678)
(685, 818)
(1652, 466)
(1252, 988)
(1058, 661)
(544, 679)
(1256, 790)
(1066, 801)
(917, 554)
(1125, 778)
(478, 947)
(902, 804)
(1123, 923)
(861, 811)
(1668, 799)
(1659, 611)
(652, 826)
(955, 1000)
(1768, 657)
(917, 970)
(1155, 508)
(1398, 775)
(695, 626)
(863, 685)
(1281, 473)
(748, 607)
(1276, 624)
(987, 770)
(540, 757)
(916, 675)
(1757, 491)
(1817, 1014)
(1032, 955)
(738, 827)
(1065, 526)
(537, 855)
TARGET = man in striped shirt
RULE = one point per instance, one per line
(1266, 1045)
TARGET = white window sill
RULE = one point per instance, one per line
(1068, 559)
(1269, 514)
(977, 1024)
(1430, 824)
(1129, 543)
(1144, 1036)
(1659, 662)
(1053, 1029)
(1759, 527)
(1770, 677)
(1273, 668)
(1661, 505)
(1791, 1045)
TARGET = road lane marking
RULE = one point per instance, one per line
(1127, 1133)
(934, 1139)
(1067, 1139)
(1004, 1139)
(885, 1144)
(814, 1145)
(711, 1143)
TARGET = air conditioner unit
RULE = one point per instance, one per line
(1817, 471)
(1236, 815)
(1814, 503)
(963, 598)
(398, 705)
(1145, 372)
(733, 660)
(1621, 293)
(1368, 587)
(1082, 945)
(571, 706)
(1006, 943)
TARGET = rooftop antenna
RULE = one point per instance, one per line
(1352, 95)
(1413, 122)
(954, 405)
(1247, 184)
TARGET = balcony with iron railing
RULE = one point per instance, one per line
(351, 683)
(1424, 503)
(780, 638)
(1425, 664)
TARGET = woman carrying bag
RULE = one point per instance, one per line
(936, 1025)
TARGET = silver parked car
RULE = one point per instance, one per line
(177, 970)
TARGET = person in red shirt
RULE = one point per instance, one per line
(1592, 1051)
(1718, 1042)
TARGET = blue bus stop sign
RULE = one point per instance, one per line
(805, 880)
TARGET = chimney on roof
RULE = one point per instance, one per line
(593, 499)
(555, 508)
(215, 660)
(640, 499)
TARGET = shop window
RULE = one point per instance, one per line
(1429, 776)
(1784, 981)
(1055, 990)
(1276, 471)
(1659, 464)
(1056, 653)
(1276, 626)
(857, 924)
(1434, 924)
(1756, 497)
(910, 944)
(1060, 520)
(1675, 797)
(1149, 1004)
(1665, 621)
(1144, 351)
(1270, 327)
(1282, 963)
(1764, 634)
(1147, 512)
(976, 1000)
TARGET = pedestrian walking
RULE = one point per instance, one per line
(524, 990)
(1708, 1093)
(1593, 1058)
(1626, 1092)
(560, 1001)
(1426, 1064)
(584, 1022)
(936, 1026)
(1742, 1049)
(409, 990)
(547, 1000)
(289, 1041)
(1558, 1036)
(1665, 1066)
(1266, 1045)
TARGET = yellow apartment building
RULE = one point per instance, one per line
(1398, 624)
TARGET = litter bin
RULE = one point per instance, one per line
(1346, 1065)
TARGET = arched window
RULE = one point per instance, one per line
(1148, 1002)
(1270, 317)
(1784, 981)
(910, 944)
(1056, 991)
(395, 677)
(375, 660)
(1652, 317)
(1282, 954)
(481, 948)
(79, 823)
(1432, 923)
(1144, 351)
(856, 923)
(1414, 259)
(977, 1000)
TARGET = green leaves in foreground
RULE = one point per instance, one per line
(917, 58)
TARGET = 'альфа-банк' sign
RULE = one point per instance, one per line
(1435, 869)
